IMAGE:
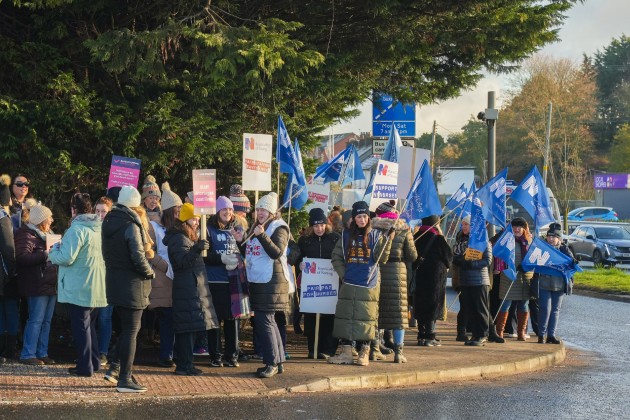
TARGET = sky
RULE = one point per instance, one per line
(589, 27)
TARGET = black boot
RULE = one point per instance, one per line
(493, 337)
(388, 338)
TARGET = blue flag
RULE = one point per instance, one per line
(457, 199)
(532, 194)
(478, 238)
(492, 195)
(464, 210)
(367, 195)
(353, 171)
(504, 249)
(392, 148)
(285, 154)
(544, 258)
(331, 170)
(422, 199)
(294, 189)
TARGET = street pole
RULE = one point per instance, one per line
(547, 137)
(491, 115)
(432, 147)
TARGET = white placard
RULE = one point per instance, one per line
(257, 150)
(320, 287)
(405, 177)
(385, 183)
(318, 193)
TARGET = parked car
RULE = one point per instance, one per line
(602, 244)
(606, 214)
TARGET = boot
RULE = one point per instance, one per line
(522, 325)
(399, 357)
(500, 322)
(344, 357)
(381, 343)
(388, 338)
(493, 337)
(364, 355)
(375, 352)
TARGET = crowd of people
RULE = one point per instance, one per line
(141, 256)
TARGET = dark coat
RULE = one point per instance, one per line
(193, 310)
(274, 295)
(393, 311)
(472, 273)
(430, 271)
(128, 273)
(313, 246)
(8, 273)
(36, 275)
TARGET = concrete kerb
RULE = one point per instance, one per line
(389, 380)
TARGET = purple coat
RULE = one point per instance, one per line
(36, 276)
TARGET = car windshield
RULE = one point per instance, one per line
(575, 211)
(612, 233)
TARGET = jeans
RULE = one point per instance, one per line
(549, 311)
(130, 321)
(399, 337)
(9, 315)
(37, 331)
(167, 336)
(83, 322)
(268, 335)
(104, 328)
(521, 305)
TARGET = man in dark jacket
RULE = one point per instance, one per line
(8, 276)
(128, 279)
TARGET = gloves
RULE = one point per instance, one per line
(391, 230)
(230, 261)
(201, 245)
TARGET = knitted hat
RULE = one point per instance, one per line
(112, 193)
(519, 221)
(431, 220)
(150, 187)
(346, 216)
(187, 212)
(38, 214)
(5, 194)
(268, 202)
(466, 219)
(129, 197)
(190, 197)
(240, 200)
(169, 198)
(556, 233)
(360, 207)
(224, 203)
(386, 207)
(316, 217)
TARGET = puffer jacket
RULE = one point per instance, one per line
(36, 275)
(520, 288)
(272, 296)
(475, 272)
(81, 266)
(8, 273)
(313, 246)
(161, 295)
(393, 297)
(192, 302)
(556, 283)
(129, 274)
(356, 313)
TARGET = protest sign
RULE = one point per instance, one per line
(320, 287)
(385, 183)
(124, 171)
(318, 193)
(257, 149)
(205, 190)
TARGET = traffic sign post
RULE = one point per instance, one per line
(385, 112)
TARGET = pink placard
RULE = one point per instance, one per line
(124, 171)
(205, 190)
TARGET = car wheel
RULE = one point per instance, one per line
(597, 257)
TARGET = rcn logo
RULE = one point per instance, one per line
(531, 186)
(249, 143)
(382, 169)
(508, 241)
(498, 188)
(310, 267)
(538, 257)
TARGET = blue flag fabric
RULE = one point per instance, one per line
(478, 238)
(464, 210)
(353, 171)
(331, 170)
(457, 199)
(294, 188)
(532, 194)
(492, 195)
(367, 195)
(504, 249)
(544, 258)
(392, 148)
(422, 199)
(285, 154)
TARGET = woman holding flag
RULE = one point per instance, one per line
(517, 290)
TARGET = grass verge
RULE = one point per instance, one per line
(605, 280)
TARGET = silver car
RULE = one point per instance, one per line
(602, 244)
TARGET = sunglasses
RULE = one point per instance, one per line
(22, 184)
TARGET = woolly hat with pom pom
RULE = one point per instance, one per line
(150, 187)
(169, 198)
(5, 193)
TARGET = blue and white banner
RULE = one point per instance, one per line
(457, 199)
(504, 249)
(492, 195)
(544, 258)
(532, 194)
(478, 238)
(422, 200)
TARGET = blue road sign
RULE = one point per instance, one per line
(386, 111)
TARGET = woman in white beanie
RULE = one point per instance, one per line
(37, 281)
(267, 274)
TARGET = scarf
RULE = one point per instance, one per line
(239, 291)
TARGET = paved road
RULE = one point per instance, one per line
(594, 382)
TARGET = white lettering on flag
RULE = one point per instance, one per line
(498, 188)
(539, 257)
(531, 186)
